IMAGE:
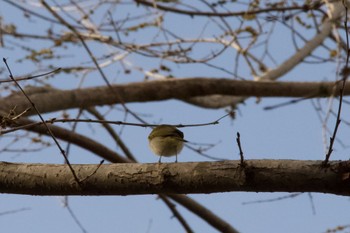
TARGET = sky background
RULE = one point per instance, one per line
(291, 132)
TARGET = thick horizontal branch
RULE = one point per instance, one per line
(176, 178)
(50, 100)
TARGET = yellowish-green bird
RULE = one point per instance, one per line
(166, 140)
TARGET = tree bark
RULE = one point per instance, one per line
(51, 100)
(177, 178)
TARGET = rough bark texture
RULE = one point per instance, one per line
(182, 89)
(176, 178)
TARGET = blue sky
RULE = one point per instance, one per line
(291, 132)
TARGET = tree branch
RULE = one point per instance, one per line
(175, 178)
(155, 5)
(181, 89)
(335, 13)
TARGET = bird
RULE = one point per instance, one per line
(166, 140)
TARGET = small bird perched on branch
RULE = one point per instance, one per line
(166, 140)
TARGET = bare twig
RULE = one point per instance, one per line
(176, 213)
(204, 213)
(238, 140)
(30, 77)
(54, 120)
(203, 124)
(113, 134)
(333, 137)
(312, 204)
(13, 211)
(226, 14)
(94, 172)
(43, 121)
(345, 74)
(70, 27)
(283, 104)
(292, 195)
(75, 218)
(200, 152)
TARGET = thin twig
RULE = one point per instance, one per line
(292, 195)
(55, 120)
(75, 219)
(337, 123)
(13, 211)
(345, 74)
(113, 134)
(238, 140)
(176, 213)
(42, 120)
(74, 127)
(70, 27)
(200, 152)
(203, 213)
(312, 204)
(94, 172)
(283, 104)
(203, 124)
(30, 77)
